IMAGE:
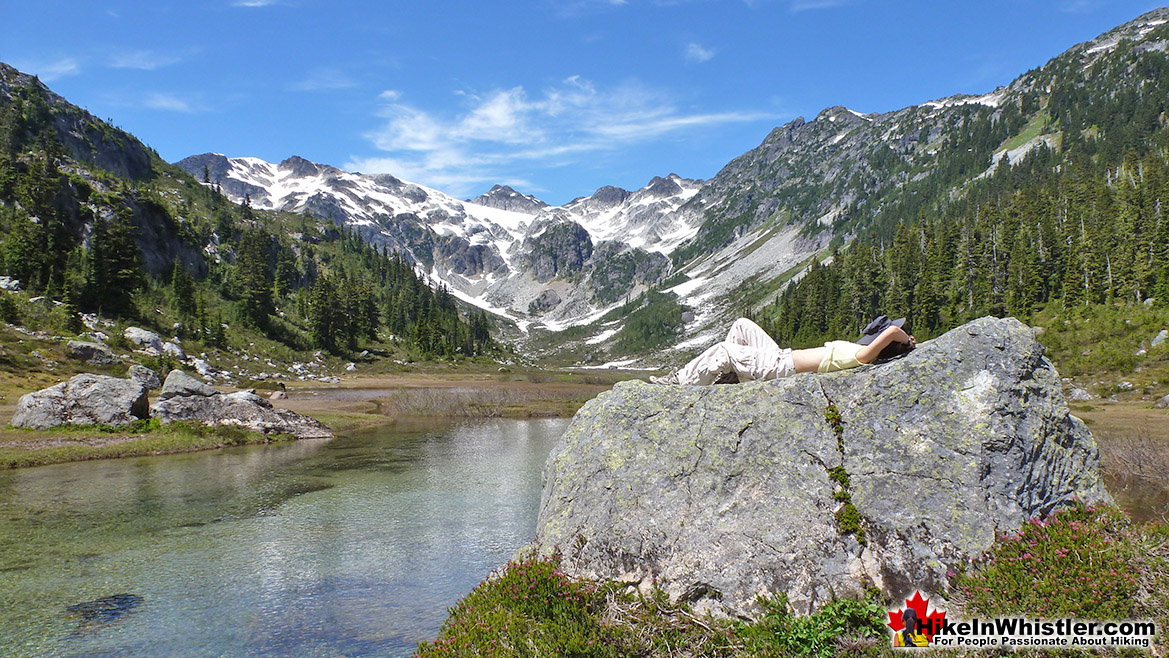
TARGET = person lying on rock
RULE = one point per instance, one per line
(751, 354)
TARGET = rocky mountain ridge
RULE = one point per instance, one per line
(507, 252)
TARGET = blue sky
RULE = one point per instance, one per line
(554, 97)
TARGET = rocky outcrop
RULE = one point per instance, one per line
(83, 400)
(184, 398)
(547, 300)
(817, 486)
(561, 249)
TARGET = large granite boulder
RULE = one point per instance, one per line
(85, 399)
(184, 398)
(819, 485)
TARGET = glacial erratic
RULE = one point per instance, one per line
(817, 486)
(85, 399)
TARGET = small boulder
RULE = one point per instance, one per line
(145, 340)
(86, 399)
(10, 284)
(146, 376)
(204, 368)
(1160, 337)
(1080, 395)
(278, 395)
(180, 384)
(175, 351)
(1163, 403)
(95, 354)
(185, 398)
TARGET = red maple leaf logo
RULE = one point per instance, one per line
(930, 623)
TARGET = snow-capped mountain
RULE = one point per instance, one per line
(723, 245)
(504, 251)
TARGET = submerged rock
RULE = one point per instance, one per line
(184, 398)
(816, 486)
(105, 609)
(85, 399)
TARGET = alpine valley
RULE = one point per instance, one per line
(633, 278)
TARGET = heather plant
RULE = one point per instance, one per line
(1082, 562)
(530, 608)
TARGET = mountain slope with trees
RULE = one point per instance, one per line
(1074, 226)
(99, 229)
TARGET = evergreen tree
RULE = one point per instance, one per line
(182, 292)
(254, 277)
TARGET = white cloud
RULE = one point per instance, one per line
(173, 103)
(254, 3)
(1080, 6)
(805, 5)
(324, 79)
(510, 128)
(51, 70)
(696, 52)
(141, 59)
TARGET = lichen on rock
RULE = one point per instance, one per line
(739, 488)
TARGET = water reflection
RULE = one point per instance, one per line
(351, 547)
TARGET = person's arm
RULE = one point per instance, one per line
(870, 352)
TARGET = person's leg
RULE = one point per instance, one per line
(747, 362)
(746, 332)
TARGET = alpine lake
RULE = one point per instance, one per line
(354, 546)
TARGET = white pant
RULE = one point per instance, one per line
(747, 351)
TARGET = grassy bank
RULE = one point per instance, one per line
(20, 448)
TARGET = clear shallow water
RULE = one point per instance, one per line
(352, 547)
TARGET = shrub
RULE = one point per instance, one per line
(531, 608)
(1080, 561)
(780, 633)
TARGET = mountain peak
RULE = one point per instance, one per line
(503, 197)
(301, 168)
